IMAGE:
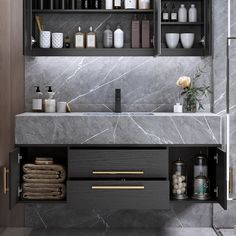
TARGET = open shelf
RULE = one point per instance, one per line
(182, 52)
(68, 11)
(93, 52)
(182, 23)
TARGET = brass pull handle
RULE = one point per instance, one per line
(117, 187)
(5, 173)
(104, 172)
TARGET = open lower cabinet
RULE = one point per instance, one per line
(119, 176)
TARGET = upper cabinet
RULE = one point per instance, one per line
(145, 28)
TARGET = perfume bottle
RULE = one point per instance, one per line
(91, 39)
(79, 39)
(173, 14)
(165, 13)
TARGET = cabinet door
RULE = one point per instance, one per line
(27, 19)
(157, 27)
(14, 177)
(221, 177)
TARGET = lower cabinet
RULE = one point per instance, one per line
(125, 177)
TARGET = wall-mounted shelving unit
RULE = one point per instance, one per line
(67, 19)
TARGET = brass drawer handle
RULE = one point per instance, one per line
(138, 172)
(5, 174)
(117, 187)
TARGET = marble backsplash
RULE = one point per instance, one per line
(88, 83)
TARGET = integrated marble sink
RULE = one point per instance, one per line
(118, 128)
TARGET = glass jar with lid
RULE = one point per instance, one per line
(200, 165)
(179, 180)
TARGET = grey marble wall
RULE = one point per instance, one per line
(88, 84)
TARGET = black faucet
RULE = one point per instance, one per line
(118, 100)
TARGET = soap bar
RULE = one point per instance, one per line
(145, 34)
(135, 33)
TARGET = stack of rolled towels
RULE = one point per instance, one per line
(43, 180)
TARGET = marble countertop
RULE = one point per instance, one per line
(118, 128)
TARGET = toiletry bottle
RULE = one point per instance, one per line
(182, 14)
(79, 39)
(145, 33)
(119, 38)
(178, 108)
(107, 37)
(192, 15)
(96, 4)
(135, 35)
(91, 39)
(109, 4)
(50, 103)
(165, 14)
(37, 102)
(117, 4)
(173, 14)
(67, 42)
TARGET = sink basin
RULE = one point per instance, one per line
(115, 114)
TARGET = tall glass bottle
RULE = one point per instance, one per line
(165, 14)
(79, 39)
(91, 39)
(107, 37)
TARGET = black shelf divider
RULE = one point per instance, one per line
(68, 11)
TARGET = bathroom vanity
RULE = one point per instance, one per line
(110, 167)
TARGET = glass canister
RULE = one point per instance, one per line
(201, 187)
(179, 180)
(200, 165)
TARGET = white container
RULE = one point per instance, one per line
(45, 39)
(119, 38)
(109, 4)
(192, 13)
(144, 4)
(172, 40)
(57, 40)
(61, 107)
(50, 105)
(178, 108)
(182, 14)
(187, 40)
(37, 104)
(130, 4)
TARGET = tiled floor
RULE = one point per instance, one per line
(114, 232)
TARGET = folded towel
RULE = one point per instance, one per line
(43, 188)
(43, 191)
(46, 181)
(33, 172)
(44, 160)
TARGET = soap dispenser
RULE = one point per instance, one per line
(50, 103)
(37, 102)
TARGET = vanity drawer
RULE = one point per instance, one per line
(118, 194)
(118, 163)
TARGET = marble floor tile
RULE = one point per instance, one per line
(14, 231)
(126, 232)
(227, 232)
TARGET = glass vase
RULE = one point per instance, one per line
(190, 104)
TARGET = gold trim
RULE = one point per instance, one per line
(117, 187)
(5, 173)
(138, 172)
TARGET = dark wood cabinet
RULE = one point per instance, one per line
(127, 177)
(65, 19)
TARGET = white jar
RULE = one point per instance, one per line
(119, 38)
(45, 39)
(61, 107)
(57, 40)
(182, 14)
(50, 105)
(109, 4)
(192, 14)
(144, 4)
(130, 4)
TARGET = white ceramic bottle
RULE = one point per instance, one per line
(192, 13)
(182, 14)
(50, 103)
(119, 38)
(109, 4)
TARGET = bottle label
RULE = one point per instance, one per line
(117, 3)
(173, 16)
(165, 16)
(79, 41)
(91, 41)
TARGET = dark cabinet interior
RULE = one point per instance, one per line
(65, 17)
(137, 177)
